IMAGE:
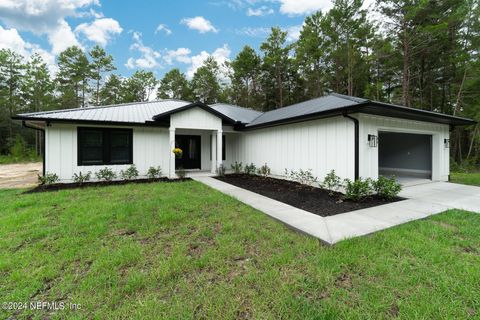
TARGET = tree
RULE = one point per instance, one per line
(101, 63)
(246, 76)
(174, 85)
(111, 92)
(139, 86)
(205, 86)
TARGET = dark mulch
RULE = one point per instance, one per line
(63, 186)
(314, 200)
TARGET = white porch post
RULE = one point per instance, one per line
(213, 153)
(219, 148)
(171, 171)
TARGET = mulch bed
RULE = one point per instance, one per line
(314, 200)
(73, 185)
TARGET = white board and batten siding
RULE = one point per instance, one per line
(195, 118)
(370, 124)
(320, 145)
(150, 148)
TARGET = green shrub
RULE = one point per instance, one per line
(154, 172)
(181, 173)
(80, 178)
(302, 176)
(130, 173)
(332, 182)
(358, 190)
(387, 188)
(221, 170)
(47, 178)
(264, 171)
(466, 166)
(250, 168)
(237, 167)
(105, 174)
(18, 149)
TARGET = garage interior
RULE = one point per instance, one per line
(406, 156)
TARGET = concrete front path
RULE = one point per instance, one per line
(19, 175)
(423, 200)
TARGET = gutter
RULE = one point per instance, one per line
(357, 143)
(43, 143)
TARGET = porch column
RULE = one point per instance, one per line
(219, 148)
(171, 169)
(213, 153)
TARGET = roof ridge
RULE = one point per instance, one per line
(347, 97)
(236, 106)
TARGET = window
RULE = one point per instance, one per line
(101, 146)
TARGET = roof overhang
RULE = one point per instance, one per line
(47, 121)
(163, 117)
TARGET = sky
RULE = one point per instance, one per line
(151, 35)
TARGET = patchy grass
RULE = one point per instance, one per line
(472, 178)
(9, 159)
(182, 250)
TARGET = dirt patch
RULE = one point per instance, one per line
(314, 200)
(394, 310)
(19, 175)
(445, 225)
(470, 250)
(344, 281)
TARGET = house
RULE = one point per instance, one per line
(355, 137)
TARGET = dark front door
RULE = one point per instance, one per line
(190, 146)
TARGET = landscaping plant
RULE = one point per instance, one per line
(264, 171)
(129, 174)
(105, 174)
(237, 167)
(250, 168)
(358, 190)
(302, 176)
(154, 172)
(387, 188)
(332, 182)
(181, 173)
(81, 178)
(47, 178)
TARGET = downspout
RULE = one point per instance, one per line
(43, 144)
(357, 143)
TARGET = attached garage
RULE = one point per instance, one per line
(405, 155)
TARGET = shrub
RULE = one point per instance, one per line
(250, 168)
(264, 171)
(80, 178)
(181, 173)
(154, 172)
(18, 148)
(221, 170)
(129, 174)
(237, 167)
(358, 190)
(387, 188)
(105, 174)
(302, 176)
(332, 182)
(47, 178)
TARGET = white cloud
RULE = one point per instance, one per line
(259, 12)
(299, 7)
(293, 33)
(221, 55)
(200, 24)
(164, 28)
(179, 55)
(62, 37)
(100, 31)
(259, 32)
(148, 57)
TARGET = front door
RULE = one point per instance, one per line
(190, 146)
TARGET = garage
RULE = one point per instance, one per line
(407, 156)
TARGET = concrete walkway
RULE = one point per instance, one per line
(423, 200)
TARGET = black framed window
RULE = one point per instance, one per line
(101, 146)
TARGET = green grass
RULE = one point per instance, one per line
(9, 159)
(182, 250)
(472, 178)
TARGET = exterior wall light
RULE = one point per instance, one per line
(446, 143)
(372, 141)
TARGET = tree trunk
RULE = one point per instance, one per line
(405, 77)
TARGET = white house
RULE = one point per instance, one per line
(355, 137)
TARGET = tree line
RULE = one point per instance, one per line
(421, 54)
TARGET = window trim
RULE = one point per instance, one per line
(106, 146)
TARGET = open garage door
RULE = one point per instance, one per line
(405, 155)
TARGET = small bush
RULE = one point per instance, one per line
(18, 149)
(358, 190)
(250, 168)
(80, 178)
(466, 166)
(221, 170)
(181, 173)
(387, 188)
(302, 176)
(154, 172)
(105, 174)
(264, 171)
(129, 174)
(332, 182)
(237, 167)
(47, 178)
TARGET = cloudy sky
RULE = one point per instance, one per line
(151, 35)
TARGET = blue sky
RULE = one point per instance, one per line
(150, 35)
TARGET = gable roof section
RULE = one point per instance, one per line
(243, 115)
(200, 105)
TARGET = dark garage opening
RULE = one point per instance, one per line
(405, 155)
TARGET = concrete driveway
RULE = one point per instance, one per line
(19, 175)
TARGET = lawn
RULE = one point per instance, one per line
(471, 178)
(182, 250)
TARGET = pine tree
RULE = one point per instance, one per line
(111, 92)
(205, 86)
(174, 85)
(101, 63)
